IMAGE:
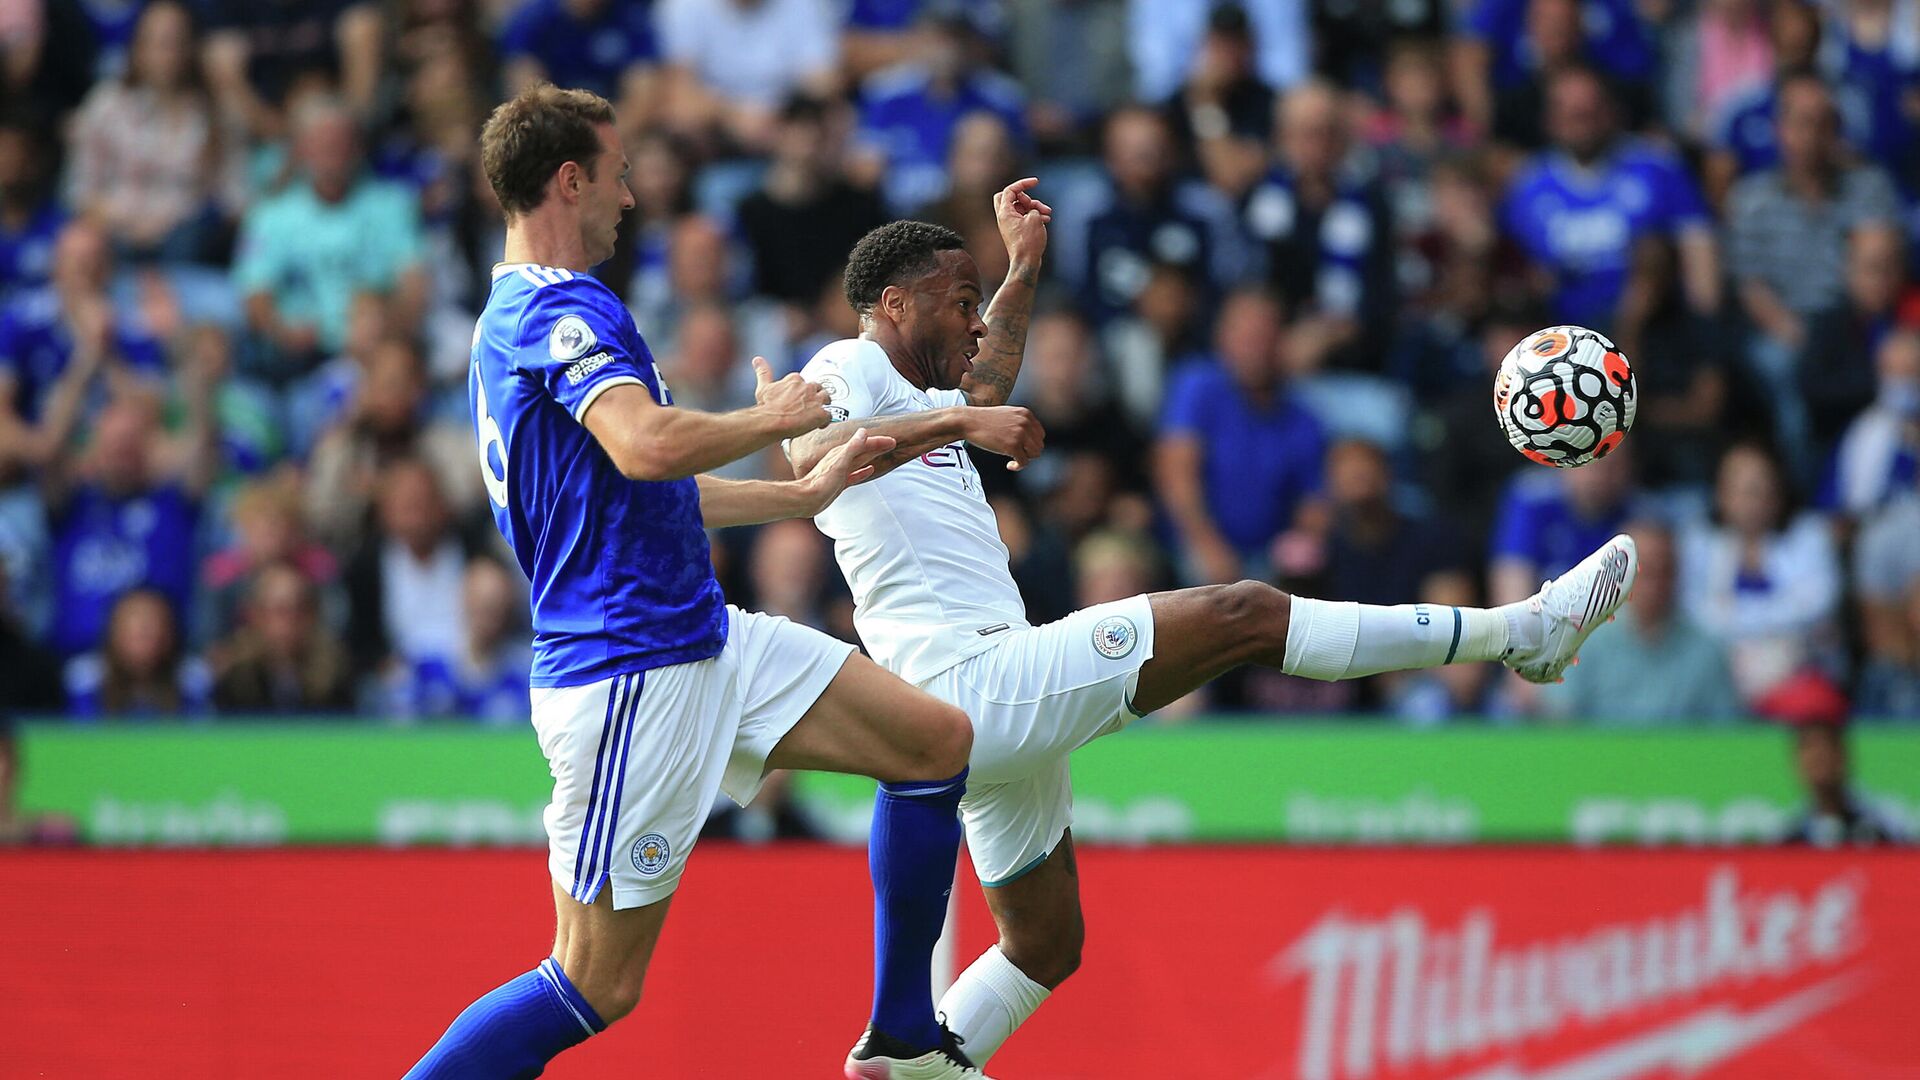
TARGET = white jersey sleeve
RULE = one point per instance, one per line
(920, 547)
(855, 390)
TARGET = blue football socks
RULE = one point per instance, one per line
(512, 1032)
(911, 852)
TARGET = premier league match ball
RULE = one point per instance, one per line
(1565, 396)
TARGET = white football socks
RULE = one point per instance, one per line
(1331, 640)
(987, 1002)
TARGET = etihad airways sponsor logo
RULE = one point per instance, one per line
(1392, 993)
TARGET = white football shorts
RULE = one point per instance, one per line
(1034, 699)
(637, 759)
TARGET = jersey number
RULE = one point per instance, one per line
(490, 437)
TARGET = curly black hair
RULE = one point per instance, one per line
(894, 254)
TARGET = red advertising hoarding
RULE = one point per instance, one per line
(1244, 963)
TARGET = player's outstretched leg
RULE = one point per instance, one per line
(1203, 633)
(872, 723)
(593, 978)
(1041, 934)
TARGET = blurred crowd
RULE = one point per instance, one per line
(243, 244)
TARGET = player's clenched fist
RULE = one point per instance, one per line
(796, 405)
(1007, 430)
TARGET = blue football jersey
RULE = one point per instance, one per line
(1582, 224)
(621, 574)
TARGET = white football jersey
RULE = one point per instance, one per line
(920, 547)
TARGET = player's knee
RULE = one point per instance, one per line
(1257, 611)
(621, 1001)
(946, 747)
(1247, 600)
(612, 995)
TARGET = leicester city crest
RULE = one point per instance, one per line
(651, 853)
(1115, 636)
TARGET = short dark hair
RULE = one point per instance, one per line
(529, 137)
(892, 255)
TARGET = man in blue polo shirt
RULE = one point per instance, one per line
(1238, 456)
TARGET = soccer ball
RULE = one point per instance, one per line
(1565, 396)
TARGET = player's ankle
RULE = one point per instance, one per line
(1526, 628)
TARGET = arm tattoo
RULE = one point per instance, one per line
(998, 365)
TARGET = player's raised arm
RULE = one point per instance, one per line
(1023, 226)
(726, 502)
(648, 442)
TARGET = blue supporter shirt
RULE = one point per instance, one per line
(112, 23)
(1124, 240)
(1869, 89)
(104, 546)
(1260, 462)
(621, 575)
(1582, 224)
(1537, 523)
(590, 55)
(903, 118)
(1617, 41)
(35, 347)
(437, 686)
(1746, 127)
(882, 14)
(1344, 267)
(26, 253)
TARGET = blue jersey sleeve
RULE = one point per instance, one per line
(576, 337)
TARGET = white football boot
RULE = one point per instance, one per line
(879, 1056)
(1574, 605)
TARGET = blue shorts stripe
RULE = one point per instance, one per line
(605, 815)
(623, 749)
(1455, 647)
(593, 796)
(603, 768)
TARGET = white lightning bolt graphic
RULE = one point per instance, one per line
(1692, 1044)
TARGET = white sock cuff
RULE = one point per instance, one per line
(1011, 985)
(1321, 638)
